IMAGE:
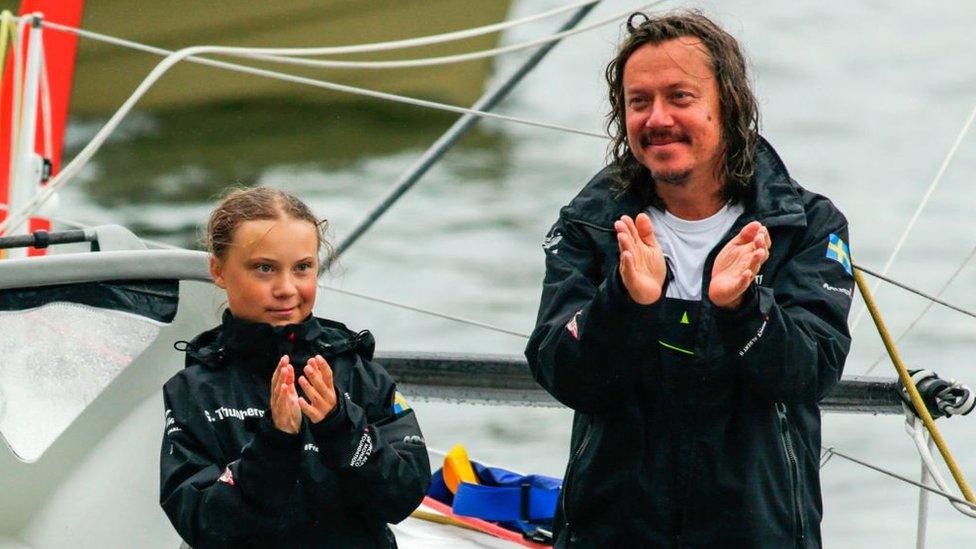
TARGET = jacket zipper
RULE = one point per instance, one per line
(564, 493)
(794, 469)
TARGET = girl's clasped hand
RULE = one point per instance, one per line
(287, 406)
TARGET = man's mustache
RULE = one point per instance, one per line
(660, 137)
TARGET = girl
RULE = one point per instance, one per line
(281, 431)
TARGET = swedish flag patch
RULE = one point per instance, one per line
(399, 404)
(839, 252)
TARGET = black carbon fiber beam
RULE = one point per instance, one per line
(43, 239)
(506, 379)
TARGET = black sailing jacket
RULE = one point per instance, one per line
(694, 427)
(229, 478)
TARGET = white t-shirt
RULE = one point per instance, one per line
(687, 243)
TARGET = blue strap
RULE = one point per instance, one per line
(506, 503)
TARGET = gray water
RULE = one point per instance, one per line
(863, 100)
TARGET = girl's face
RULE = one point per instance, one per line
(270, 270)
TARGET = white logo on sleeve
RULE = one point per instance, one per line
(551, 241)
(845, 291)
(754, 339)
(364, 450)
(171, 426)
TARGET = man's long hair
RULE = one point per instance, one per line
(739, 111)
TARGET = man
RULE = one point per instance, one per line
(694, 313)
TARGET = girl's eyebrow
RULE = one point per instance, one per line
(262, 260)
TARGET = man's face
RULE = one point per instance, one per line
(270, 270)
(673, 113)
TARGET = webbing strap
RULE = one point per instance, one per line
(506, 503)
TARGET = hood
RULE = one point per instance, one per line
(259, 345)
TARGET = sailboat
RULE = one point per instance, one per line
(77, 451)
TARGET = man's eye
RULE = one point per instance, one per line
(636, 102)
(681, 96)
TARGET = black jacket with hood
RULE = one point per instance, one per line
(694, 426)
(229, 478)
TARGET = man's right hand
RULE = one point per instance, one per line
(642, 265)
(285, 411)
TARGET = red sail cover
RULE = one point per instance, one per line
(59, 49)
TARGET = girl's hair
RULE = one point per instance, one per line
(241, 205)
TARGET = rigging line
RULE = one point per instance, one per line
(317, 83)
(908, 288)
(96, 142)
(285, 55)
(447, 140)
(955, 499)
(926, 309)
(462, 320)
(448, 59)
(389, 45)
(921, 206)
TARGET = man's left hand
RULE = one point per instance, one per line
(737, 265)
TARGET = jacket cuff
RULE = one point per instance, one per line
(273, 439)
(616, 315)
(748, 307)
(744, 326)
(337, 420)
(345, 440)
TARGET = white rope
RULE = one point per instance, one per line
(921, 526)
(382, 46)
(916, 430)
(71, 169)
(918, 211)
(287, 55)
(447, 59)
(318, 83)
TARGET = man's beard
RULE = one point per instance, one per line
(676, 178)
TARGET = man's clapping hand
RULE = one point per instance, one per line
(737, 265)
(642, 265)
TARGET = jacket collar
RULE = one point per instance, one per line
(259, 345)
(775, 198)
